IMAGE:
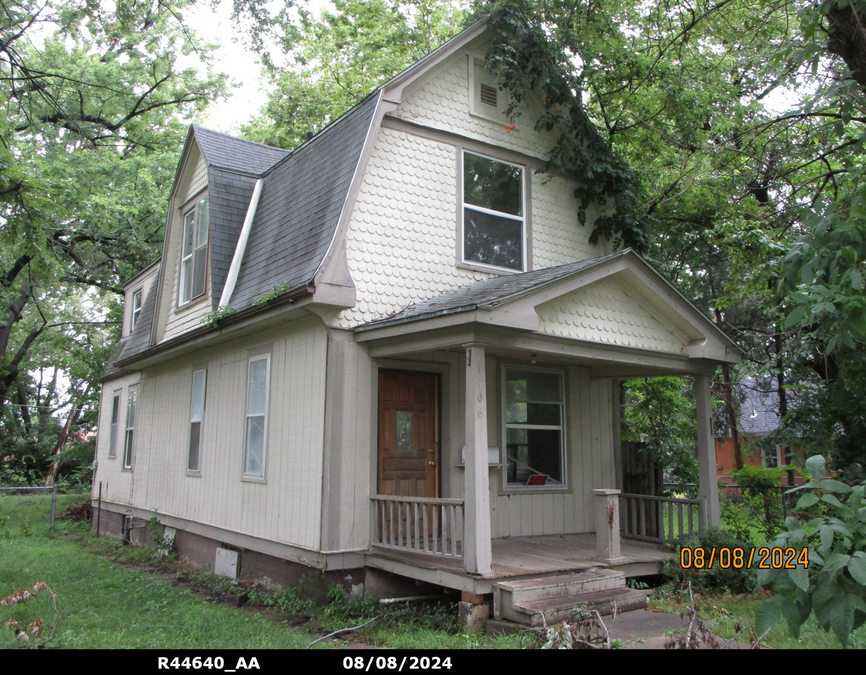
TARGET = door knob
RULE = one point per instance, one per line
(432, 463)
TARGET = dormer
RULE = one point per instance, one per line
(135, 292)
(211, 196)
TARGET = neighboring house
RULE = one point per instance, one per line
(758, 417)
(423, 351)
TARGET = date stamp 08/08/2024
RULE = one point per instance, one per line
(763, 558)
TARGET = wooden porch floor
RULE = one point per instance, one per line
(521, 557)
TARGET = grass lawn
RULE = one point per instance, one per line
(109, 596)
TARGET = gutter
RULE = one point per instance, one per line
(288, 298)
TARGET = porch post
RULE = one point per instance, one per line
(476, 537)
(709, 482)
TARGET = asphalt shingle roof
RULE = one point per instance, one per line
(486, 293)
(236, 154)
(298, 212)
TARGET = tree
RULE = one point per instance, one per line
(90, 126)
(338, 58)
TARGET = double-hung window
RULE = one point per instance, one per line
(193, 262)
(258, 376)
(115, 418)
(534, 415)
(136, 308)
(494, 223)
(131, 401)
(196, 417)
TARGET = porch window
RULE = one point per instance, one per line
(193, 262)
(493, 213)
(257, 416)
(534, 417)
(196, 416)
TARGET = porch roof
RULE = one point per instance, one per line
(636, 309)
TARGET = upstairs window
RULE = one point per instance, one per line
(136, 308)
(493, 213)
(193, 262)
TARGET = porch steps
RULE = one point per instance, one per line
(551, 599)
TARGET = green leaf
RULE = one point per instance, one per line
(800, 576)
(834, 486)
(857, 567)
(815, 466)
(807, 500)
(768, 614)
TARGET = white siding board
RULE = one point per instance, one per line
(286, 507)
(442, 102)
(605, 312)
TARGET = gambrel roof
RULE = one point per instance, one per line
(303, 195)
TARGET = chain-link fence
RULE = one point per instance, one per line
(24, 491)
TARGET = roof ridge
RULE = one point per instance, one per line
(198, 128)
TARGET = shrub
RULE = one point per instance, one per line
(713, 579)
(831, 528)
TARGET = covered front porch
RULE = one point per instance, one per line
(526, 438)
(519, 558)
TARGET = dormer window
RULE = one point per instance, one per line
(136, 308)
(193, 263)
(493, 213)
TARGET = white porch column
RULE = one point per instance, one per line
(607, 537)
(709, 482)
(477, 555)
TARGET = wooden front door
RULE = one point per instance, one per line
(408, 434)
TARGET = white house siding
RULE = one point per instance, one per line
(605, 312)
(286, 508)
(442, 102)
(180, 320)
(117, 484)
(401, 242)
(589, 464)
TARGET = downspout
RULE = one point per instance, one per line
(241, 248)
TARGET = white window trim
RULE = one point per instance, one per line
(192, 207)
(563, 427)
(247, 476)
(136, 312)
(129, 431)
(199, 421)
(524, 219)
(780, 459)
(114, 422)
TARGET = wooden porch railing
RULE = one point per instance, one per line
(658, 519)
(419, 524)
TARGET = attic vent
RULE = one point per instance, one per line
(489, 95)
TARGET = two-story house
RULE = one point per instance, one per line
(392, 348)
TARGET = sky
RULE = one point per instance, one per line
(215, 25)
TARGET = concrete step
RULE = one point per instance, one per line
(554, 610)
(554, 598)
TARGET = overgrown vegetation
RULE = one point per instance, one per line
(831, 527)
(705, 578)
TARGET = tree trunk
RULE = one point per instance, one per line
(72, 418)
(848, 38)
